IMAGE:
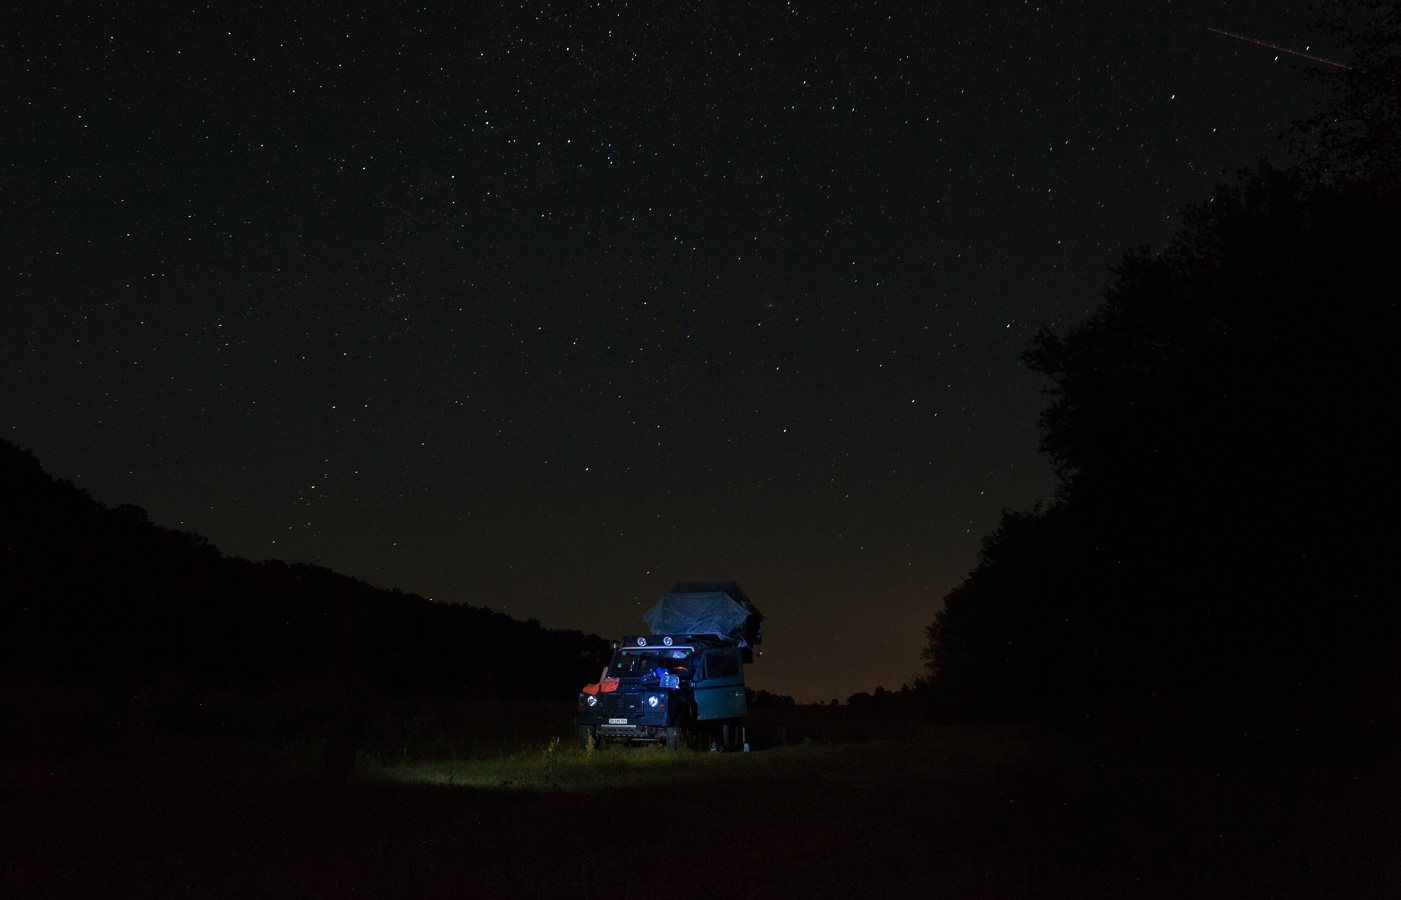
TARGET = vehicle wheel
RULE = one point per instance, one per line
(729, 736)
(586, 737)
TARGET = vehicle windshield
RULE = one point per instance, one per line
(631, 663)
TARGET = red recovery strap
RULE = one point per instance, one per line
(607, 685)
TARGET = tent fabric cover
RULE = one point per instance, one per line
(706, 608)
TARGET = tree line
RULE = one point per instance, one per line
(1223, 530)
(96, 592)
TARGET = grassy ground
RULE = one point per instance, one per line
(470, 810)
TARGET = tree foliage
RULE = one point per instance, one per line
(1356, 136)
(95, 592)
(1220, 426)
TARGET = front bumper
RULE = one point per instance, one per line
(632, 732)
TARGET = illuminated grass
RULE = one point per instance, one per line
(559, 767)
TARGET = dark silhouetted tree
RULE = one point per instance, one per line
(1220, 427)
(1355, 137)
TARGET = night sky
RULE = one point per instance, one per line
(546, 307)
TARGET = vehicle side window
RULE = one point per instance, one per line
(721, 663)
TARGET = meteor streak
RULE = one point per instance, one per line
(1241, 37)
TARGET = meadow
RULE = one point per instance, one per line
(232, 796)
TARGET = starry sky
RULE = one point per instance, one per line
(548, 306)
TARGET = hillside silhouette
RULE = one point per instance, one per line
(98, 592)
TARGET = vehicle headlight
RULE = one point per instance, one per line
(592, 701)
(653, 700)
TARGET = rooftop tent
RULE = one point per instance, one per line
(707, 607)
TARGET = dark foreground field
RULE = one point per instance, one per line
(946, 812)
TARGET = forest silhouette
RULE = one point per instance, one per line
(93, 592)
(1220, 545)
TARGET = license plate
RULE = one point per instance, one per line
(617, 721)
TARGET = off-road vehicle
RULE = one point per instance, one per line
(684, 682)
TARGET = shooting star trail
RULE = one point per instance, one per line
(1241, 37)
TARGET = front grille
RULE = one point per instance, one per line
(618, 703)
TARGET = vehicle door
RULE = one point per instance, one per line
(719, 689)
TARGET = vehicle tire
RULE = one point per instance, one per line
(587, 737)
(729, 736)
